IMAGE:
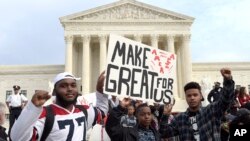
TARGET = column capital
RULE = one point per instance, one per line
(154, 36)
(154, 40)
(138, 37)
(186, 37)
(85, 38)
(102, 37)
(68, 38)
(170, 43)
(170, 37)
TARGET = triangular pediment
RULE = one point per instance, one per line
(126, 10)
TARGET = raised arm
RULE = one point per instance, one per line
(168, 130)
(113, 127)
(98, 107)
(101, 99)
(226, 95)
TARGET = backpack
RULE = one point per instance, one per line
(50, 118)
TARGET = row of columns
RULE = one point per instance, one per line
(183, 74)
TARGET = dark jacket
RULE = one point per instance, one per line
(208, 119)
(117, 132)
(215, 94)
(3, 135)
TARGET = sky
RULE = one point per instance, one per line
(31, 33)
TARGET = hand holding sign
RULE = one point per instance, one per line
(100, 82)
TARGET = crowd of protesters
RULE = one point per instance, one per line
(129, 119)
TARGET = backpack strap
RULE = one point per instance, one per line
(85, 121)
(96, 116)
(49, 122)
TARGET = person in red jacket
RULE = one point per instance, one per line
(244, 98)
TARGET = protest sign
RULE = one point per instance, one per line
(139, 71)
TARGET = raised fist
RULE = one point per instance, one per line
(226, 73)
(40, 97)
(100, 82)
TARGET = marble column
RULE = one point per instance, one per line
(138, 37)
(170, 47)
(154, 40)
(85, 64)
(170, 43)
(186, 62)
(103, 52)
(180, 71)
(69, 52)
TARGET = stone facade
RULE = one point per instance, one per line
(30, 78)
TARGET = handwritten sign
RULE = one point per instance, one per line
(139, 71)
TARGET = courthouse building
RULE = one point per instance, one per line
(86, 38)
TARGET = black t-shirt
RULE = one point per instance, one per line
(193, 121)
